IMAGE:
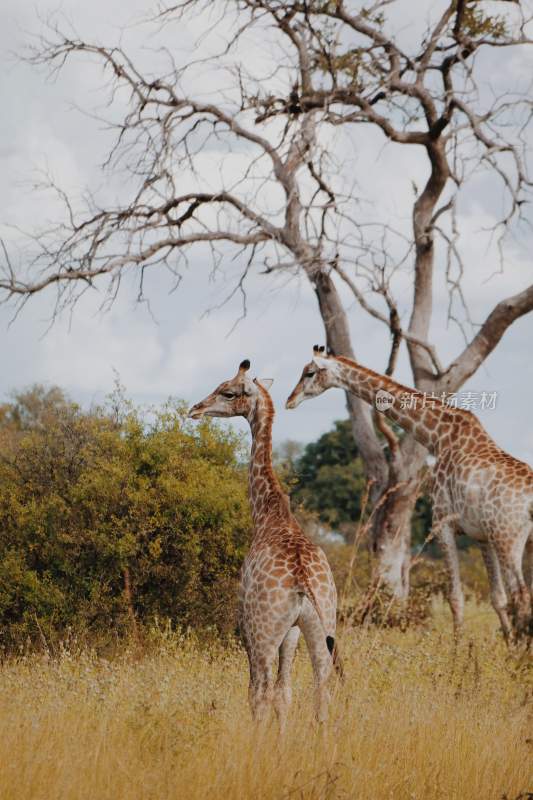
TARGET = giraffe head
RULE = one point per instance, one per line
(234, 398)
(317, 376)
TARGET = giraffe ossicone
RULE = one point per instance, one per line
(286, 583)
(478, 488)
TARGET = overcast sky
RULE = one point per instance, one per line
(175, 348)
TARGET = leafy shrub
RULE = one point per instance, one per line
(115, 516)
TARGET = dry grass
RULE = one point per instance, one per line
(414, 720)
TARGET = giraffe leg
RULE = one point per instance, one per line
(446, 536)
(321, 659)
(528, 565)
(282, 689)
(528, 575)
(260, 692)
(498, 594)
(510, 560)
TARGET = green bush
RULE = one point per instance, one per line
(115, 517)
(327, 477)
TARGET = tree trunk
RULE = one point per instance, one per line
(338, 339)
(397, 481)
(392, 528)
(391, 532)
(398, 485)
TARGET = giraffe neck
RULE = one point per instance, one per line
(429, 420)
(266, 494)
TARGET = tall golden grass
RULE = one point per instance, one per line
(416, 718)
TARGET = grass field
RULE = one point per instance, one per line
(414, 720)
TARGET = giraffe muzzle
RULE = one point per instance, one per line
(196, 412)
(293, 401)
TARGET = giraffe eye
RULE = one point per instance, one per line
(228, 395)
(308, 374)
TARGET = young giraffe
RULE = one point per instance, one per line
(286, 582)
(477, 487)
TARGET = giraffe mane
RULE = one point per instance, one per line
(270, 413)
(455, 413)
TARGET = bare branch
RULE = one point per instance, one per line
(409, 337)
(493, 328)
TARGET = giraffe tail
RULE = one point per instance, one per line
(337, 660)
(330, 640)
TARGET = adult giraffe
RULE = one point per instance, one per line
(286, 582)
(477, 487)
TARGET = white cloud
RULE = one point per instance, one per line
(187, 354)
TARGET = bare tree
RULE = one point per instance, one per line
(286, 206)
(160, 140)
(436, 95)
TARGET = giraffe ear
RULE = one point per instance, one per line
(266, 383)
